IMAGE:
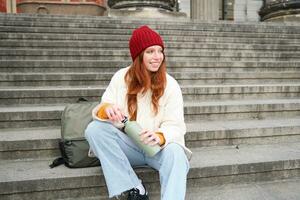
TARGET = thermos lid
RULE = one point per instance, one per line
(124, 120)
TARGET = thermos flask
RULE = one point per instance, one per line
(133, 130)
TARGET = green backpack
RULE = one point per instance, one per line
(73, 146)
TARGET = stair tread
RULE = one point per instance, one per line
(268, 190)
(183, 86)
(118, 52)
(113, 72)
(287, 189)
(42, 43)
(129, 23)
(231, 63)
(40, 133)
(241, 124)
(61, 87)
(31, 108)
(242, 102)
(60, 107)
(73, 63)
(206, 157)
(22, 134)
(86, 18)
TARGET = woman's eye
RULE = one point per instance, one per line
(150, 51)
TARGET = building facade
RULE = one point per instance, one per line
(66, 7)
(8, 6)
(209, 10)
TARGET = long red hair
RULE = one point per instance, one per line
(140, 80)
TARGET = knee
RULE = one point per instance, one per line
(175, 155)
(96, 129)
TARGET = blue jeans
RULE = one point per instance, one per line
(118, 155)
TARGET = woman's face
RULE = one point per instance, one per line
(153, 57)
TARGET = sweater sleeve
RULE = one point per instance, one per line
(172, 125)
(110, 97)
(161, 137)
(111, 92)
(101, 112)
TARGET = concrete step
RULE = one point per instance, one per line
(75, 66)
(125, 28)
(239, 132)
(178, 23)
(70, 94)
(235, 92)
(127, 31)
(117, 45)
(58, 79)
(91, 37)
(241, 109)
(49, 95)
(210, 166)
(172, 55)
(91, 79)
(24, 116)
(259, 141)
(21, 116)
(42, 142)
(272, 190)
(32, 143)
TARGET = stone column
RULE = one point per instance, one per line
(240, 10)
(247, 10)
(253, 7)
(11, 6)
(129, 4)
(144, 8)
(207, 10)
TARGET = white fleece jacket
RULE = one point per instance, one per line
(170, 117)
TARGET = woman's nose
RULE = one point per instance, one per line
(156, 55)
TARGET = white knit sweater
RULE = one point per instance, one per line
(170, 117)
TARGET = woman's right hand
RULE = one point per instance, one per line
(114, 113)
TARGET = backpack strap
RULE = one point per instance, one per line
(60, 160)
(56, 162)
(81, 99)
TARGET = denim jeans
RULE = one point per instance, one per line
(118, 155)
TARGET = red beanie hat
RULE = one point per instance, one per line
(143, 38)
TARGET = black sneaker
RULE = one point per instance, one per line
(134, 194)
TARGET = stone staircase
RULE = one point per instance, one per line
(240, 82)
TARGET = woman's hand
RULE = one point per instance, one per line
(114, 113)
(149, 137)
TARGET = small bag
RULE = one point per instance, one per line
(73, 145)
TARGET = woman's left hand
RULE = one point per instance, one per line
(149, 137)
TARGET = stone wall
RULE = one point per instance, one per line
(2, 5)
(65, 7)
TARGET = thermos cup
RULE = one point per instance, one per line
(133, 130)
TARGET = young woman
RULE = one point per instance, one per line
(143, 92)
